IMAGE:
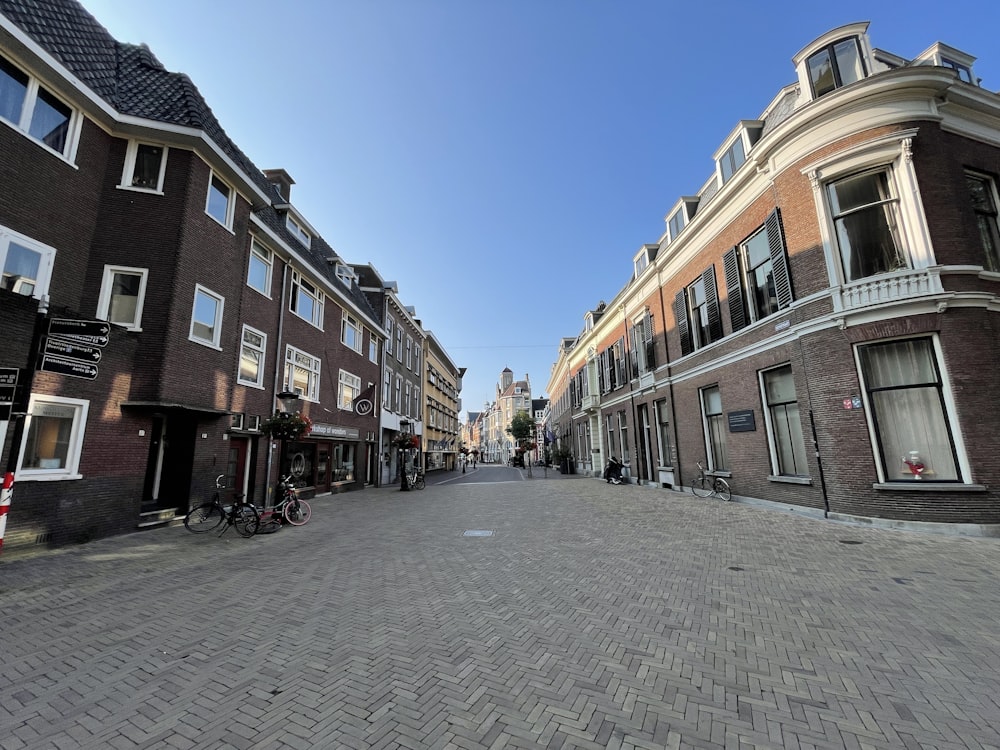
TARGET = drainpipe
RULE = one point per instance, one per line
(277, 378)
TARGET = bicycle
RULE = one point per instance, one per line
(709, 485)
(290, 507)
(213, 514)
(415, 479)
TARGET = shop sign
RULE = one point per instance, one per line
(321, 429)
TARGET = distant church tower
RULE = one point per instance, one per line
(506, 379)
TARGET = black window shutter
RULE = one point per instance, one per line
(734, 289)
(633, 357)
(779, 259)
(647, 343)
(712, 304)
(681, 316)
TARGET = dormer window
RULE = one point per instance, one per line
(298, 230)
(949, 57)
(683, 212)
(733, 152)
(732, 160)
(835, 65)
(676, 223)
(964, 71)
(345, 273)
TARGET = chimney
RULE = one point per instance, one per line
(281, 180)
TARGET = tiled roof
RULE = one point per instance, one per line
(130, 79)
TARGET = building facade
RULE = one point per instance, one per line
(442, 403)
(818, 322)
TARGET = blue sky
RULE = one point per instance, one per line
(504, 160)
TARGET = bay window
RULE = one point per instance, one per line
(865, 215)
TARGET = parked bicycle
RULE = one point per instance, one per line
(707, 484)
(215, 514)
(415, 478)
(290, 506)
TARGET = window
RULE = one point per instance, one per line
(306, 300)
(389, 325)
(252, 357)
(298, 230)
(788, 447)
(642, 349)
(866, 220)
(373, 343)
(964, 72)
(409, 353)
(123, 291)
(406, 400)
(732, 160)
(237, 421)
(55, 428)
(346, 274)
(399, 344)
(626, 452)
(836, 65)
(905, 402)
(676, 223)
(663, 432)
(206, 317)
(696, 310)
(387, 389)
(145, 165)
(350, 387)
(26, 264)
(253, 423)
(302, 373)
(757, 276)
(416, 400)
(350, 332)
(220, 201)
(397, 401)
(982, 192)
(715, 429)
(640, 263)
(32, 109)
(259, 269)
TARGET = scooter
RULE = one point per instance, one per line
(613, 471)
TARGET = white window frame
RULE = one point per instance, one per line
(409, 353)
(346, 274)
(261, 349)
(347, 382)
(226, 221)
(963, 467)
(713, 462)
(215, 343)
(45, 263)
(301, 285)
(772, 440)
(312, 366)
(373, 347)
(387, 389)
(389, 326)
(351, 324)
(107, 286)
(297, 230)
(23, 125)
(75, 443)
(892, 153)
(407, 392)
(266, 258)
(128, 171)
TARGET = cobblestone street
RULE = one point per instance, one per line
(594, 617)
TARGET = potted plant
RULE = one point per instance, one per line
(283, 426)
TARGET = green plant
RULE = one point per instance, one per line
(283, 426)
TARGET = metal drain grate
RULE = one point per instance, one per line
(478, 532)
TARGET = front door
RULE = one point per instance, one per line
(168, 466)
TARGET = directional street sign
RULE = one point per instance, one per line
(92, 329)
(72, 349)
(8, 377)
(8, 388)
(69, 367)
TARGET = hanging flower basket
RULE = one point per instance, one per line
(286, 426)
(406, 440)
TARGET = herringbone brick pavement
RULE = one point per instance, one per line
(594, 617)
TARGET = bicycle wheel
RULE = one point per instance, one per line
(722, 489)
(206, 517)
(702, 486)
(418, 483)
(246, 520)
(298, 512)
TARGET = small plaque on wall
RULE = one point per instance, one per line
(742, 421)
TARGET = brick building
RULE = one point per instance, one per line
(819, 321)
(128, 203)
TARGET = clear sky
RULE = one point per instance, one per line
(504, 160)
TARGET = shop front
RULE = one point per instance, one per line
(325, 461)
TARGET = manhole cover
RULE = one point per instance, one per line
(478, 532)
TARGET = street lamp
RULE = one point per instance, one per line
(404, 484)
(288, 401)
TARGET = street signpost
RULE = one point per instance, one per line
(8, 387)
(73, 347)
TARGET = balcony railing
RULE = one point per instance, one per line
(591, 403)
(889, 287)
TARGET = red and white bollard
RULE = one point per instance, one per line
(5, 495)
